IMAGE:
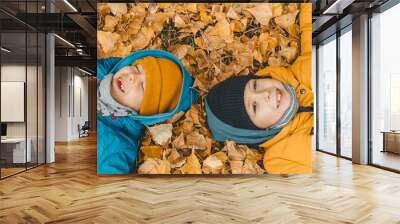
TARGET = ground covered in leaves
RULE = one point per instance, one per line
(214, 42)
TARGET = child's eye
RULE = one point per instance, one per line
(254, 107)
(255, 85)
(137, 68)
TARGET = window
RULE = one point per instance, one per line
(385, 88)
(327, 96)
(346, 93)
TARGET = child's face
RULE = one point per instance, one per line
(265, 100)
(127, 86)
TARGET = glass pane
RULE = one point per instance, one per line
(346, 94)
(386, 89)
(31, 97)
(327, 97)
(41, 98)
(13, 87)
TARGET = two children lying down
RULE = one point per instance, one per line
(273, 108)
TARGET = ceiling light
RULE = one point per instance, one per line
(84, 71)
(70, 5)
(5, 49)
(337, 7)
(65, 41)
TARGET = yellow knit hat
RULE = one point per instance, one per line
(163, 85)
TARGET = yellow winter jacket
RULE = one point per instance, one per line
(289, 152)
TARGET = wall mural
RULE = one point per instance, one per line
(195, 88)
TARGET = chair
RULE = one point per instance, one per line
(84, 130)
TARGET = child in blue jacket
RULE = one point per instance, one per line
(145, 88)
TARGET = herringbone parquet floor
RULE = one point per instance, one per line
(69, 191)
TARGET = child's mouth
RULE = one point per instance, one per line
(121, 85)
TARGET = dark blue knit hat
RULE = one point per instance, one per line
(226, 101)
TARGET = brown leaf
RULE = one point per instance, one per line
(192, 165)
(146, 140)
(196, 141)
(175, 159)
(161, 133)
(251, 167)
(234, 152)
(253, 154)
(187, 126)
(205, 153)
(179, 50)
(194, 114)
(176, 117)
(179, 142)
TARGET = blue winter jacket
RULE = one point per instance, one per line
(118, 139)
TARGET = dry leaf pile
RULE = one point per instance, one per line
(214, 42)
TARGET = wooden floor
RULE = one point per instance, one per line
(69, 191)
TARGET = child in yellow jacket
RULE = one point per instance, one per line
(273, 109)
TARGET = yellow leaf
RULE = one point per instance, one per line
(107, 40)
(142, 39)
(155, 166)
(221, 156)
(253, 154)
(232, 13)
(110, 23)
(236, 166)
(191, 7)
(117, 8)
(286, 20)
(161, 133)
(290, 53)
(192, 165)
(212, 165)
(277, 9)
(152, 151)
(262, 13)
(179, 21)
(221, 30)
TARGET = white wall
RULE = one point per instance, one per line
(70, 83)
(314, 81)
(33, 127)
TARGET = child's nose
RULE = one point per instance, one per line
(265, 94)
